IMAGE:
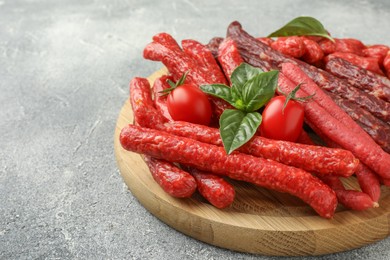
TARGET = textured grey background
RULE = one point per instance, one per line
(64, 73)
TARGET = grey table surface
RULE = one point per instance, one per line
(64, 73)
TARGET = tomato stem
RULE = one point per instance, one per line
(292, 96)
(173, 84)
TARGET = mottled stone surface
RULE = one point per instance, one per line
(64, 73)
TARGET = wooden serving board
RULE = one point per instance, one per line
(260, 221)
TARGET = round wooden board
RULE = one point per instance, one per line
(260, 221)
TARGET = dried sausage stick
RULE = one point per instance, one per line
(213, 188)
(229, 57)
(205, 59)
(166, 40)
(176, 61)
(347, 136)
(368, 63)
(174, 181)
(308, 157)
(207, 157)
(351, 199)
(359, 77)
(368, 182)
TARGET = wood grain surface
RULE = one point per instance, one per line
(260, 221)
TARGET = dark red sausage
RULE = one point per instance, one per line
(377, 107)
(173, 180)
(376, 128)
(213, 188)
(213, 45)
(361, 78)
(368, 63)
(262, 172)
(311, 158)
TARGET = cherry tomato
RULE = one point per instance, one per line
(286, 125)
(188, 103)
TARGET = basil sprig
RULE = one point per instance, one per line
(251, 89)
(303, 25)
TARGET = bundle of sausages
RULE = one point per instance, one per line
(361, 93)
(185, 157)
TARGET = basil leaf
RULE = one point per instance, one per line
(240, 76)
(303, 25)
(258, 90)
(237, 127)
(218, 90)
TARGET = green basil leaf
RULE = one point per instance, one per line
(237, 127)
(240, 76)
(218, 90)
(259, 90)
(303, 25)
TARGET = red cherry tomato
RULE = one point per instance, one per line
(286, 125)
(188, 103)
